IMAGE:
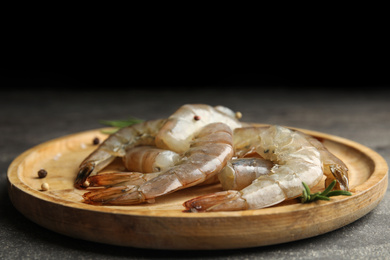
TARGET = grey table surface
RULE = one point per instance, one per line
(28, 118)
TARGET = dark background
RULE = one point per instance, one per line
(108, 79)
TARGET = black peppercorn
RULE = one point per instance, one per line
(96, 141)
(42, 173)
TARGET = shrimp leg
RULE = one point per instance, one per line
(207, 155)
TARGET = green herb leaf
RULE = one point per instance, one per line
(109, 131)
(329, 188)
(121, 123)
(118, 124)
(307, 189)
(304, 196)
(320, 197)
(308, 197)
(339, 192)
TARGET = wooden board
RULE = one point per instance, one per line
(164, 225)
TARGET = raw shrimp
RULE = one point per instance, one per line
(177, 133)
(115, 146)
(174, 133)
(245, 142)
(239, 173)
(245, 139)
(147, 159)
(209, 152)
(248, 165)
(296, 161)
(143, 163)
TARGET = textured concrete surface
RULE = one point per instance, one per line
(28, 118)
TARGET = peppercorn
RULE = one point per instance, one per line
(42, 173)
(86, 184)
(45, 186)
(238, 115)
(196, 118)
(96, 141)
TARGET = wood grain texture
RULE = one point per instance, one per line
(163, 225)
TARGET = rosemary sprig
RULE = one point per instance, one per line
(118, 124)
(307, 196)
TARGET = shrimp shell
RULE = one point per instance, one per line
(111, 179)
(246, 139)
(147, 159)
(239, 173)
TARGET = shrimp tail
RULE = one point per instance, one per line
(116, 179)
(121, 195)
(230, 200)
(340, 172)
(85, 170)
(334, 168)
